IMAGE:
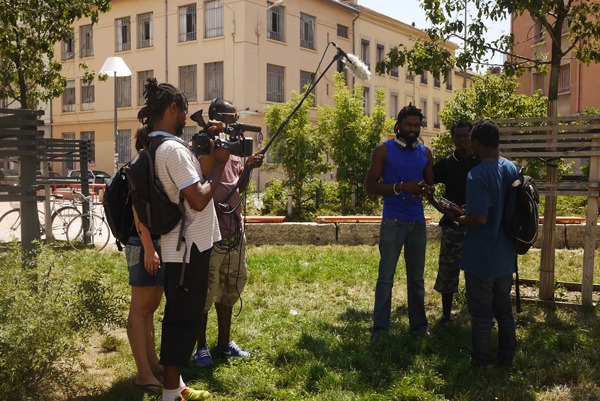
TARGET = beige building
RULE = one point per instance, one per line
(251, 52)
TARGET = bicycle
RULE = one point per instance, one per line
(88, 230)
(10, 222)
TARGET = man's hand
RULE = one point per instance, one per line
(216, 127)
(220, 154)
(255, 160)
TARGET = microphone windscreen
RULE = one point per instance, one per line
(357, 67)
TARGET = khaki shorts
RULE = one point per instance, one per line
(227, 277)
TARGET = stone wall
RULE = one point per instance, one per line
(567, 235)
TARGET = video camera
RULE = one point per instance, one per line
(234, 139)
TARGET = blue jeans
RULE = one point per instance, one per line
(393, 236)
(489, 297)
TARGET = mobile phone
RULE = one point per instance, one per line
(452, 206)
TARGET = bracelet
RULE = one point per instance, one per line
(394, 188)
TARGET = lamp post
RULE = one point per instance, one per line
(116, 67)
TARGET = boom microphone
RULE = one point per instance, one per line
(248, 127)
(354, 64)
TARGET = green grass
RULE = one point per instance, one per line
(305, 317)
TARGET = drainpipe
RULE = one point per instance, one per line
(353, 41)
(166, 40)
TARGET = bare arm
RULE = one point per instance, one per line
(200, 194)
(151, 257)
(472, 220)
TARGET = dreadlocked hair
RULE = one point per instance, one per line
(157, 97)
(409, 110)
(142, 140)
(406, 111)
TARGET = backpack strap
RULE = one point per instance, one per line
(181, 237)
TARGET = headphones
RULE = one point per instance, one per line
(402, 142)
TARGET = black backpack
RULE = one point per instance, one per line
(154, 208)
(523, 225)
(117, 207)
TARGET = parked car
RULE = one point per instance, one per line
(94, 176)
(9, 176)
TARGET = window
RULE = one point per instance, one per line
(424, 110)
(123, 146)
(436, 114)
(342, 31)
(538, 82)
(436, 82)
(275, 83)
(307, 31)
(306, 78)
(424, 78)
(68, 97)
(364, 52)
(187, 82)
(213, 19)
(88, 96)
(379, 53)
(565, 27)
(69, 163)
(123, 34)
(275, 22)
(141, 81)
(68, 47)
(449, 79)
(124, 91)
(539, 33)
(367, 103)
(214, 80)
(341, 67)
(90, 136)
(145, 28)
(393, 105)
(187, 23)
(86, 41)
(410, 76)
(394, 72)
(564, 84)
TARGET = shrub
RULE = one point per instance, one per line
(49, 310)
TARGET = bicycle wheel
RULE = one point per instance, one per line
(95, 237)
(10, 225)
(60, 220)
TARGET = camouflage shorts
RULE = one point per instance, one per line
(451, 244)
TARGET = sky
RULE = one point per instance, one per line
(409, 11)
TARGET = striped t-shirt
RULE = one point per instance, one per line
(177, 168)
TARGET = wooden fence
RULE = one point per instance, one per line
(551, 139)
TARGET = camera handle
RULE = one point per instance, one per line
(285, 122)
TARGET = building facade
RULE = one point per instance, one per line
(251, 52)
(579, 84)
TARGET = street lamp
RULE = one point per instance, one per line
(116, 67)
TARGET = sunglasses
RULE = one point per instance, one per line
(234, 115)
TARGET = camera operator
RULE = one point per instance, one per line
(186, 269)
(228, 270)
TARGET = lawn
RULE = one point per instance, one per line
(305, 317)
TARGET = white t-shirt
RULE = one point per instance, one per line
(177, 168)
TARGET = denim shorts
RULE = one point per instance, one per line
(138, 276)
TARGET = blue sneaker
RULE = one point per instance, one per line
(202, 357)
(233, 350)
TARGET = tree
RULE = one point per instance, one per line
(491, 96)
(29, 30)
(298, 148)
(583, 37)
(352, 136)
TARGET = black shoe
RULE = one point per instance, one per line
(480, 362)
(423, 331)
(444, 321)
(375, 336)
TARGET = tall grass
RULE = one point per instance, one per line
(305, 316)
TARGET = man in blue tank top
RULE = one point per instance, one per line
(402, 172)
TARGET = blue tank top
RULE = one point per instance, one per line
(401, 165)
